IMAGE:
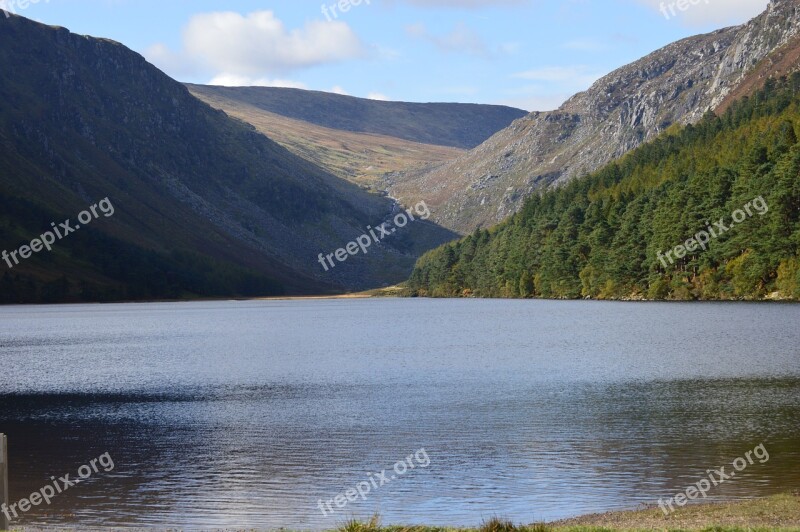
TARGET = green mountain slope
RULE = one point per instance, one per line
(456, 125)
(204, 204)
(634, 229)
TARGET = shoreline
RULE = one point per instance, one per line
(771, 513)
(401, 292)
(774, 513)
(359, 295)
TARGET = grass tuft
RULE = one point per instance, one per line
(496, 524)
(354, 525)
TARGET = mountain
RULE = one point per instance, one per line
(457, 125)
(358, 157)
(705, 211)
(204, 205)
(675, 85)
(784, 61)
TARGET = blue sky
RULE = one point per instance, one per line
(531, 54)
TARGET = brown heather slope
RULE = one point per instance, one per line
(677, 84)
(782, 62)
(459, 125)
(361, 158)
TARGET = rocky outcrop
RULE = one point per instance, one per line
(677, 84)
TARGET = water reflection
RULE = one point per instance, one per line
(264, 457)
(528, 424)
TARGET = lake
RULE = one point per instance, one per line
(253, 414)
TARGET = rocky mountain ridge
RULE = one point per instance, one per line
(677, 84)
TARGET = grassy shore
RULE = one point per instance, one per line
(389, 291)
(778, 513)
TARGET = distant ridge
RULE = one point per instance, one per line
(456, 125)
(361, 158)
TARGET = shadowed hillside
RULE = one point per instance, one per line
(205, 205)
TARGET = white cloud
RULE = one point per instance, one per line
(459, 39)
(552, 86)
(233, 80)
(509, 48)
(468, 4)
(337, 89)
(585, 45)
(535, 103)
(174, 64)
(577, 75)
(256, 46)
(708, 12)
(377, 96)
(259, 42)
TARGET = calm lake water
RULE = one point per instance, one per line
(246, 414)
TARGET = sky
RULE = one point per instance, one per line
(531, 54)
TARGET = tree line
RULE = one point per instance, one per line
(600, 236)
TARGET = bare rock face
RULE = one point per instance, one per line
(675, 85)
